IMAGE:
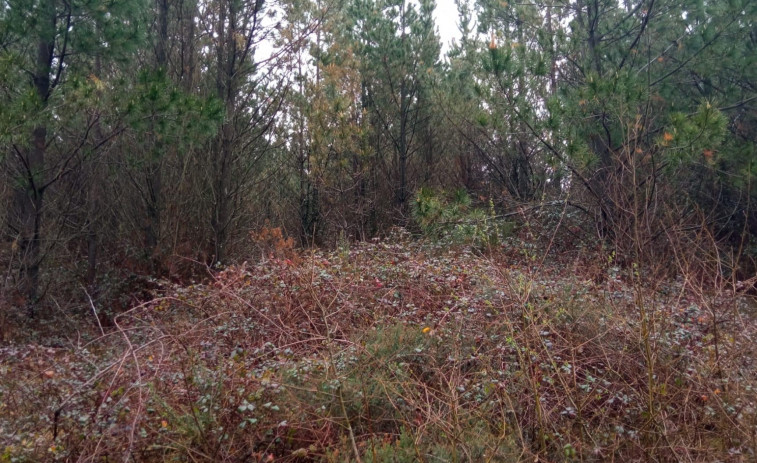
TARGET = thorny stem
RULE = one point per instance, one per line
(329, 343)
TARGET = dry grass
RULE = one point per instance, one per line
(399, 351)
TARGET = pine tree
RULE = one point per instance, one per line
(46, 59)
(400, 51)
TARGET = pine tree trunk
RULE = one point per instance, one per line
(154, 175)
(29, 197)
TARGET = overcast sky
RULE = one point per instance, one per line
(446, 22)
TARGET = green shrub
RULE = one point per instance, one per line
(451, 217)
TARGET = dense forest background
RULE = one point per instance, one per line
(307, 230)
(160, 137)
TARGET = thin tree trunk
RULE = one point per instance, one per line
(29, 198)
(92, 206)
(220, 219)
(225, 54)
(154, 175)
(402, 191)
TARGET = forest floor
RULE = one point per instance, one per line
(393, 350)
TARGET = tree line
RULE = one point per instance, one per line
(153, 135)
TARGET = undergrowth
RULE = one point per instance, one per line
(400, 351)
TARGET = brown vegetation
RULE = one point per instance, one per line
(398, 350)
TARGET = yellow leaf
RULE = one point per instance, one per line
(97, 82)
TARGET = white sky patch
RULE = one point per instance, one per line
(446, 20)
